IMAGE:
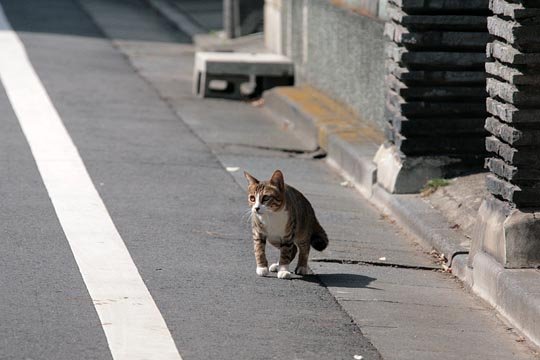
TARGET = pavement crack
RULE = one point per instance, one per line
(370, 300)
(379, 263)
(436, 306)
(308, 154)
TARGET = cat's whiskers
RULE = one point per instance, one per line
(247, 216)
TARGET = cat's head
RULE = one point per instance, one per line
(268, 195)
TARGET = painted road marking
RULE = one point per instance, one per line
(132, 323)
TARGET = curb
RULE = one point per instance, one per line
(423, 221)
(321, 122)
(512, 292)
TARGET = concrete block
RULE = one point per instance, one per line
(500, 168)
(509, 235)
(507, 133)
(397, 174)
(512, 173)
(513, 135)
(522, 36)
(500, 148)
(226, 63)
(511, 114)
(512, 74)
(501, 188)
(239, 75)
(522, 95)
(508, 54)
(511, 155)
(524, 193)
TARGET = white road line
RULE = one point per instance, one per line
(131, 320)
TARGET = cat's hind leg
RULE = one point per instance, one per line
(275, 267)
(303, 256)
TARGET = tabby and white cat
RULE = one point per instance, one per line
(281, 215)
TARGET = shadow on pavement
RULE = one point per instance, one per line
(341, 280)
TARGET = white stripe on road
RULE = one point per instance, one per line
(132, 323)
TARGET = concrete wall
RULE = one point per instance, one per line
(338, 51)
(272, 25)
(365, 7)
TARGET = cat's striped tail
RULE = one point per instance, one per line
(319, 239)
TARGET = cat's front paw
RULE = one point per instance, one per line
(284, 274)
(262, 271)
(303, 270)
(274, 267)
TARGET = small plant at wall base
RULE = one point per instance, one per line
(432, 186)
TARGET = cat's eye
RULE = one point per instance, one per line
(265, 198)
(252, 198)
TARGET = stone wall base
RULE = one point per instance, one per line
(406, 175)
(509, 235)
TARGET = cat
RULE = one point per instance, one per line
(281, 215)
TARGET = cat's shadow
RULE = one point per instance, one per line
(342, 280)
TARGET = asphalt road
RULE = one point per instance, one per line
(177, 209)
(167, 168)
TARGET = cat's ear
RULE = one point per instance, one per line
(251, 180)
(277, 180)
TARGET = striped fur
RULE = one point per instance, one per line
(281, 215)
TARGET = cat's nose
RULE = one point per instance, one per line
(257, 208)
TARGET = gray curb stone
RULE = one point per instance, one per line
(513, 292)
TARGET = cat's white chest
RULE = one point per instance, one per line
(275, 224)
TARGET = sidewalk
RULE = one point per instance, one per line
(394, 290)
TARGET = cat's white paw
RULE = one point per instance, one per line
(274, 267)
(283, 274)
(303, 270)
(262, 271)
